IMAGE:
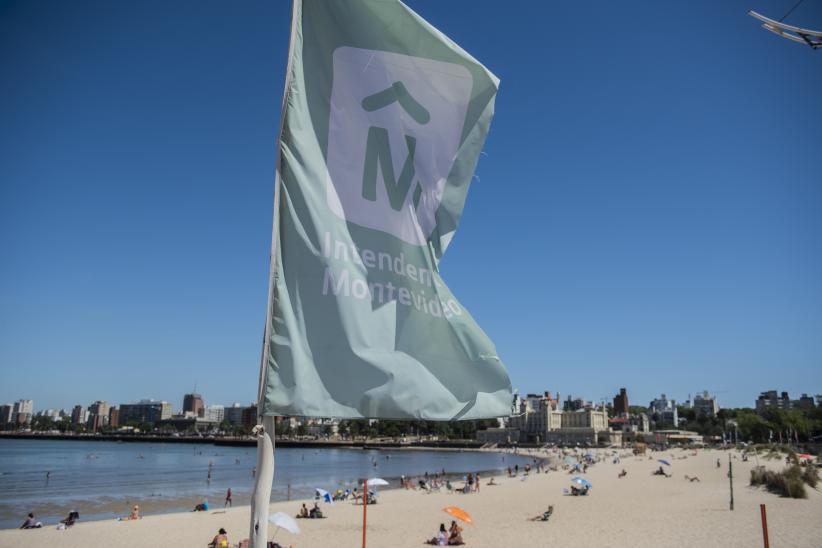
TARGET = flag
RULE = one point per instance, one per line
(382, 125)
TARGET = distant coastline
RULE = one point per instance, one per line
(248, 441)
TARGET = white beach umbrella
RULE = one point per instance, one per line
(281, 519)
(377, 481)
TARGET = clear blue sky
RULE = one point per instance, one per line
(648, 213)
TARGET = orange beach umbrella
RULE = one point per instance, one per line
(458, 513)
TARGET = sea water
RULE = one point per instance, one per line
(103, 479)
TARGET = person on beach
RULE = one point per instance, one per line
(315, 512)
(202, 507)
(455, 535)
(228, 501)
(31, 523)
(70, 520)
(441, 539)
(545, 516)
(220, 540)
(478, 482)
(492, 482)
(622, 474)
(303, 512)
(135, 513)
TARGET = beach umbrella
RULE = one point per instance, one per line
(581, 481)
(458, 513)
(377, 481)
(281, 519)
(665, 462)
(325, 495)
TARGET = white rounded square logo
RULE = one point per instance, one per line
(393, 134)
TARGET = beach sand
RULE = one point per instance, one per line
(639, 510)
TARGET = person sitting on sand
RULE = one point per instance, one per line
(545, 516)
(315, 512)
(202, 507)
(135, 513)
(31, 523)
(455, 535)
(72, 517)
(492, 482)
(441, 539)
(693, 479)
(579, 492)
(303, 512)
(622, 474)
(220, 540)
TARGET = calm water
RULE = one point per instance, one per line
(103, 479)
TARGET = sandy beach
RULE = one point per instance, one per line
(637, 510)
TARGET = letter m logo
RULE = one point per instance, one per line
(378, 148)
(395, 126)
(378, 153)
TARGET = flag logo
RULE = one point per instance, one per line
(394, 132)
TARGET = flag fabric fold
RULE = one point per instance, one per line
(383, 121)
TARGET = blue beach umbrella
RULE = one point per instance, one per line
(325, 495)
(665, 462)
(581, 481)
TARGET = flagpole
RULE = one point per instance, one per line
(261, 496)
(265, 429)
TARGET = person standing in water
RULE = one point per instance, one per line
(227, 498)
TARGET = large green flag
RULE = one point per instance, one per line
(383, 121)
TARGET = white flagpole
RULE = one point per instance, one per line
(261, 495)
(264, 431)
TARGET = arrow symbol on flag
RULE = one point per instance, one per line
(397, 92)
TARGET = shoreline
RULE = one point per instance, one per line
(639, 510)
(94, 508)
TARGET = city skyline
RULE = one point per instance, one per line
(607, 400)
(642, 216)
